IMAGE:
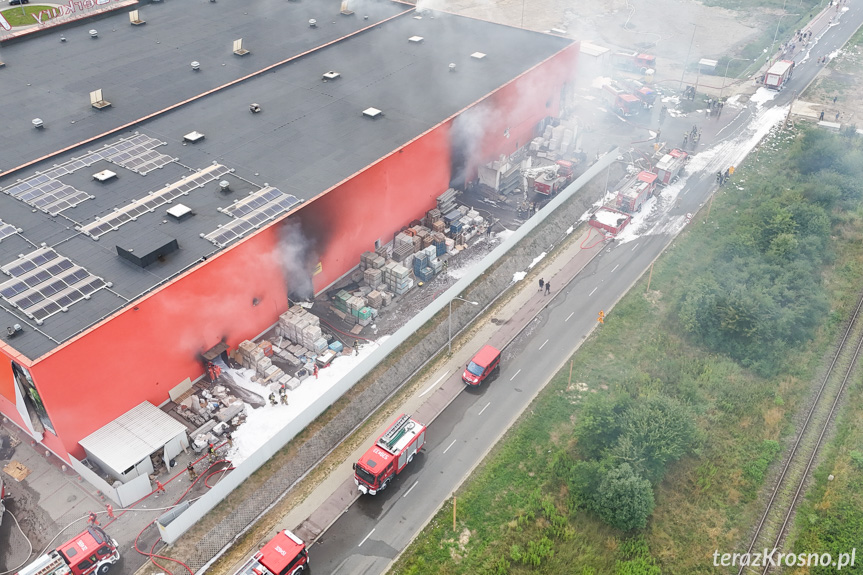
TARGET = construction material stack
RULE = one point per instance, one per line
(259, 357)
(446, 201)
(302, 328)
(403, 246)
(397, 277)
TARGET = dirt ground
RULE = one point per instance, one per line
(841, 79)
(626, 24)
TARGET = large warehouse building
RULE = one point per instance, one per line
(166, 217)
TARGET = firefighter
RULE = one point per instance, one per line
(719, 178)
(193, 475)
(160, 487)
(273, 399)
(316, 371)
(211, 453)
(92, 519)
(283, 395)
(110, 511)
(356, 347)
(230, 439)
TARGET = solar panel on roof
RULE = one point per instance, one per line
(48, 283)
(251, 212)
(6, 230)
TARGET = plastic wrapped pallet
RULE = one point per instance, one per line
(320, 345)
(336, 346)
(292, 384)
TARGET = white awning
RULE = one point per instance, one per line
(132, 437)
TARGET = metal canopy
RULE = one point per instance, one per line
(132, 437)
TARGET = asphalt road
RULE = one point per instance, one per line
(375, 529)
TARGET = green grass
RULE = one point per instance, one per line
(21, 16)
(516, 516)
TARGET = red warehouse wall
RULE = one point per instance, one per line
(377, 202)
(144, 351)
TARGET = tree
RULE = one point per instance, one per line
(655, 432)
(624, 499)
(599, 424)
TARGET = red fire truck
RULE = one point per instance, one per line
(670, 166)
(552, 179)
(91, 551)
(621, 103)
(389, 455)
(778, 74)
(633, 194)
(284, 554)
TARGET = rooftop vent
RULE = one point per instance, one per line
(373, 113)
(180, 212)
(145, 248)
(104, 175)
(97, 100)
(225, 186)
(38, 123)
(196, 65)
(452, 66)
(313, 23)
(478, 55)
(346, 10)
(193, 137)
(94, 33)
(134, 20)
(331, 75)
(13, 330)
(238, 47)
(415, 39)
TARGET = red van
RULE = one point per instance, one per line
(486, 361)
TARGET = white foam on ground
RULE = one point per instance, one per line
(263, 423)
(518, 276)
(762, 95)
(536, 260)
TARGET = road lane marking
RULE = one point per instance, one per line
(483, 409)
(636, 245)
(516, 373)
(409, 490)
(614, 268)
(543, 344)
(434, 384)
(591, 293)
(569, 316)
(366, 537)
(450, 445)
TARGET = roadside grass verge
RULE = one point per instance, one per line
(16, 16)
(516, 514)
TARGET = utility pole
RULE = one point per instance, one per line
(686, 62)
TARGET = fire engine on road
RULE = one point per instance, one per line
(91, 551)
(389, 455)
(284, 554)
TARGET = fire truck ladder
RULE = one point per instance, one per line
(394, 433)
(56, 565)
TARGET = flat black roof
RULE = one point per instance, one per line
(309, 136)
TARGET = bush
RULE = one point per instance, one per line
(624, 499)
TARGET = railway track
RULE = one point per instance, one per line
(776, 519)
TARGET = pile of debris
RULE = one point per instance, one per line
(259, 357)
(213, 411)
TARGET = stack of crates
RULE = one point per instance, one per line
(301, 327)
(397, 277)
(341, 301)
(439, 242)
(337, 346)
(475, 218)
(422, 269)
(403, 246)
(371, 260)
(372, 276)
(432, 216)
(364, 315)
(439, 226)
(355, 304)
(375, 299)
